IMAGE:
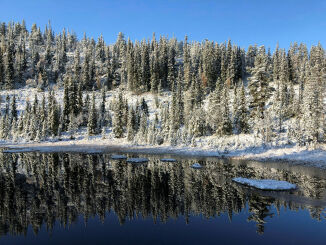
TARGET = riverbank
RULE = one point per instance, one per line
(292, 154)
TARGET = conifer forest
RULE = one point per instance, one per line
(159, 90)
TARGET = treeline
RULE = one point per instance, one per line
(217, 89)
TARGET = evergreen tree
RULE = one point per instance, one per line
(54, 115)
(9, 64)
(13, 109)
(225, 126)
(144, 106)
(131, 125)
(118, 124)
(92, 118)
(66, 104)
(241, 112)
(86, 76)
(259, 85)
(2, 70)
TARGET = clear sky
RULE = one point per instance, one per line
(243, 21)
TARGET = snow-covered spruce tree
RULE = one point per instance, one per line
(13, 130)
(155, 68)
(280, 99)
(54, 115)
(225, 125)
(92, 118)
(144, 106)
(197, 125)
(259, 89)
(286, 87)
(66, 104)
(214, 107)
(276, 63)
(143, 128)
(9, 66)
(267, 128)
(20, 125)
(251, 56)
(13, 109)
(173, 120)
(125, 112)
(73, 95)
(131, 124)
(86, 72)
(77, 66)
(100, 50)
(34, 126)
(7, 105)
(3, 127)
(85, 110)
(151, 136)
(180, 102)
(103, 109)
(43, 120)
(210, 64)
(235, 103)
(145, 66)
(313, 107)
(302, 81)
(241, 112)
(2, 70)
(80, 103)
(73, 125)
(118, 123)
(165, 124)
(26, 119)
(173, 111)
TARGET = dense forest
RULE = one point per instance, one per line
(212, 89)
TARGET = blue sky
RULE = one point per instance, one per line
(243, 21)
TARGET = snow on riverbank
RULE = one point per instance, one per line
(293, 154)
(266, 184)
(243, 146)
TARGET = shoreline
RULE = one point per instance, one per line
(290, 154)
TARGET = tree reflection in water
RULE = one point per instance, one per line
(39, 189)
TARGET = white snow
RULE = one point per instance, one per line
(196, 165)
(266, 184)
(168, 160)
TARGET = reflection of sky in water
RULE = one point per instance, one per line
(219, 211)
(290, 228)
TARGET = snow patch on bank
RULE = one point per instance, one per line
(266, 184)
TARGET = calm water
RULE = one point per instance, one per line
(90, 199)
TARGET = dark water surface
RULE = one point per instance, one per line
(61, 198)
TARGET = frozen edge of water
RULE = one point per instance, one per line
(293, 155)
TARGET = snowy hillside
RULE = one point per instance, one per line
(161, 93)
